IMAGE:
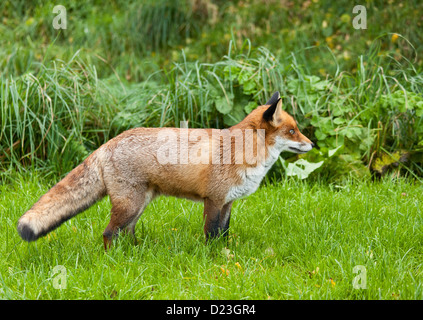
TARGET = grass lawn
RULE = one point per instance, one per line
(292, 240)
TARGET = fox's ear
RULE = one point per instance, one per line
(273, 99)
(273, 114)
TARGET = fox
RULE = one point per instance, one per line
(139, 165)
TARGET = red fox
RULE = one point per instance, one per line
(139, 164)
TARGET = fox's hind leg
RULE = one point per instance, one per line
(130, 228)
(126, 209)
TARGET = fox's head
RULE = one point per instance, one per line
(281, 129)
(285, 130)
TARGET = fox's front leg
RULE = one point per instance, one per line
(217, 218)
(224, 218)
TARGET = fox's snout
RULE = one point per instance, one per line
(302, 146)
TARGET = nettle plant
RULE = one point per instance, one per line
(379, 129)
(399, 133)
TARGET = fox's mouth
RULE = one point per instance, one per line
(296, 150)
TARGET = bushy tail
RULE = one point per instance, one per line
(80, 189)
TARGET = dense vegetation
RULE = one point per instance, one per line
(357, 93)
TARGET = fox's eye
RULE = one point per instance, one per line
(292, 131)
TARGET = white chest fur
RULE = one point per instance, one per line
(252, 177)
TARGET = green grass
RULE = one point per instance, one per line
(291, 240)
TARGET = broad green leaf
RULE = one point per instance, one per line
(249, 87)
(332, 152)
(224, 105)
(235, 116)
(250, 107)
(320, 135)
(302, 168)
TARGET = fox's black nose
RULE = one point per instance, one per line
(313, 145)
